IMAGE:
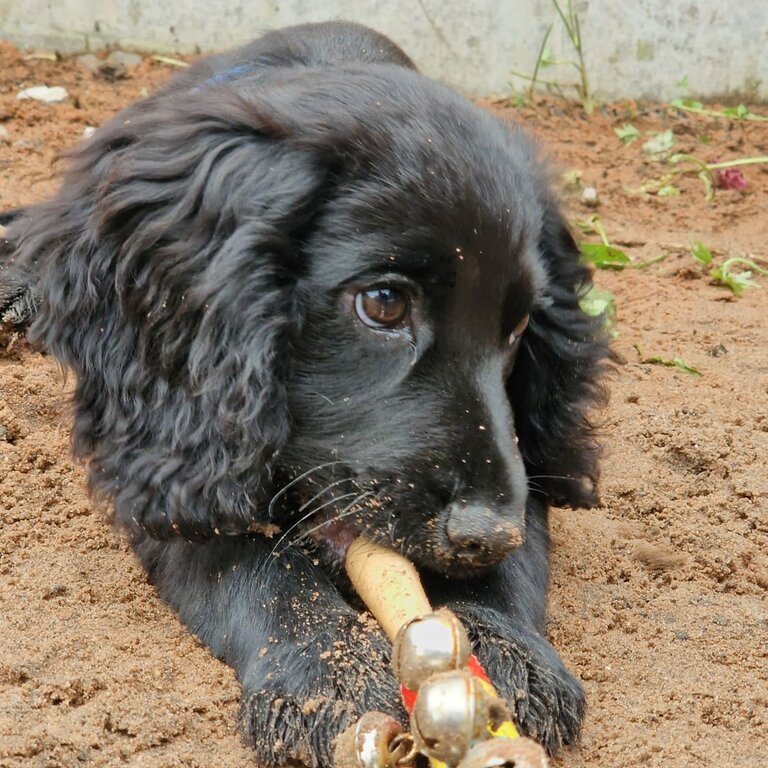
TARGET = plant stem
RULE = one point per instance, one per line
(735, 163)
(586, 91)
(539, 60)
(746, 262)
(551, 83)
(715, 113)
(573, 28)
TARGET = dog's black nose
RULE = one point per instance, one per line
(479, 533)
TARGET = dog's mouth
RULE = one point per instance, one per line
(331, 537)
(334, 537)
(457, 545)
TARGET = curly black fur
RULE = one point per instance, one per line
(199, 271)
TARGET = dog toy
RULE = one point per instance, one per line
(457, 720)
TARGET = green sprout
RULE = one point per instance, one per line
(660, 143)
(701, 253)
(598, 302)
(737, 281)
(582, 88)
(603, 255)
(725, 275)
(675, 362)
(731, 113)
(687, 104)
(691, 165)
(627, 133)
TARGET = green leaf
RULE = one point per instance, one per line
(627, 133)
(547, 59)
(690, 104)
(598, 302)
(668, 190)
(701, 253)
(604, 256)
(571, 179)
(739, 112)
(675, 362)
(736, 281)
(660, 143)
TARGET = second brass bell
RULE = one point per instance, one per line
(453, 711)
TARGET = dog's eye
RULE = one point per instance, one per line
(382, 307)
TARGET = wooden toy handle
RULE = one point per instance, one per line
(388, 584)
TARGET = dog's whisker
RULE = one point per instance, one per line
(552, 477)
(328, 488)
(295, 480)
(346, 512)
(324, 397)
(306, 517)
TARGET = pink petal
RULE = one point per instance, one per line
(730, 178)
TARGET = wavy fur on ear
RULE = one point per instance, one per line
(167, 263)
(557, 374)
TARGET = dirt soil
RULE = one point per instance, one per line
(659, 597)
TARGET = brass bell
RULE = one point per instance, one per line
(452, 711)
(506, 753)
(425, 646)
(371, 742)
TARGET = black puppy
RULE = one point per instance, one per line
(308, 293)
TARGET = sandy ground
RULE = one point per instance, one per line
(659, 595)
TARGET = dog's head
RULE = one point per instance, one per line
(344, 297)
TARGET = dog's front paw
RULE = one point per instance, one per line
(18, 300)
(546, 700)
(298, 698)
(295, 731)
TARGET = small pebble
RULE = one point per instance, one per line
(90, 62)
(88, 131)
(589, 197)
(44, 94)
(5, 137)
(114, 67)
(33, 145)
(125, 59)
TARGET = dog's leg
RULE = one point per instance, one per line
(505, 614)
(18, 300)
(308, 664)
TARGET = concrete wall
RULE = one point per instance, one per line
(634, 48)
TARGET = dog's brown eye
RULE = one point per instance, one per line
(383, 307)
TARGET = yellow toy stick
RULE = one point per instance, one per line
(388, 584)
(457, 719)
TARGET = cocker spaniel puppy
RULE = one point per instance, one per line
(308, 293)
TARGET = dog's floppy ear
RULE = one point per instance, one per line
(166, 266)
(556, 378)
